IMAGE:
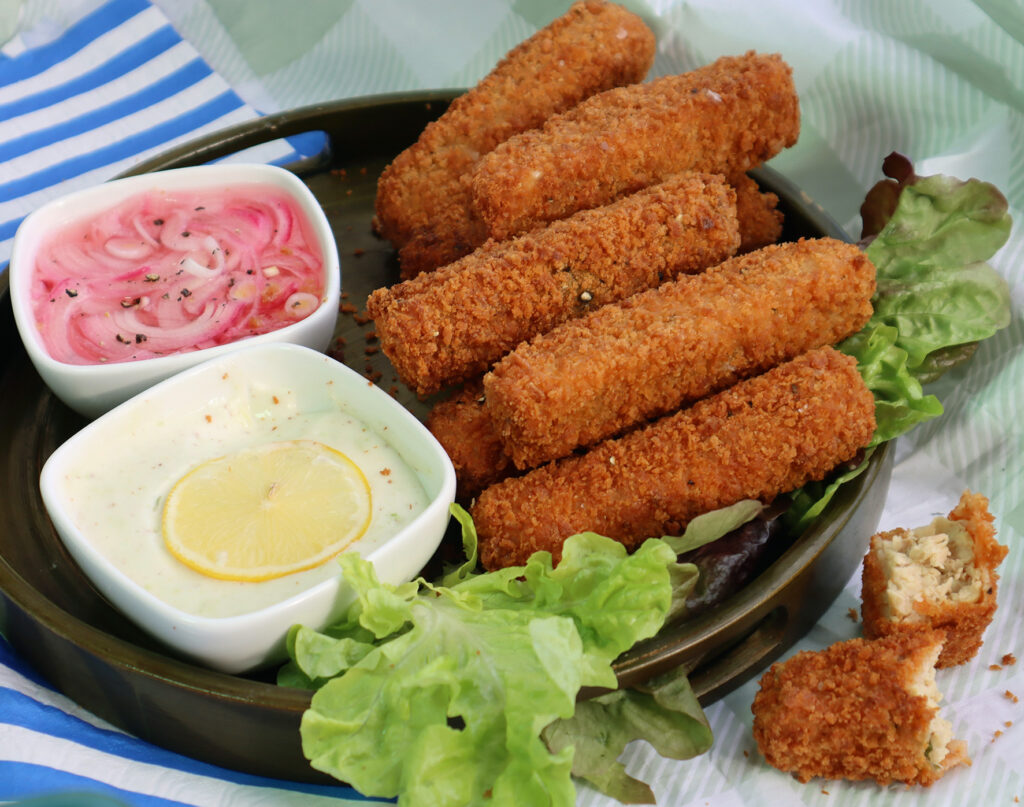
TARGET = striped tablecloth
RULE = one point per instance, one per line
(940, 80)
(118, 86)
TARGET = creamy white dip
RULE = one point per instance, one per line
(118, 500)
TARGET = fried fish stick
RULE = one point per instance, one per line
(759, 219)
(450, 325)
(638, 359)
(726, 117)
(463, 428)
(594, 46)
(762, 437)
(858, 710)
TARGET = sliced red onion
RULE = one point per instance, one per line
(164, 273)
(133, 249)
(301, 304)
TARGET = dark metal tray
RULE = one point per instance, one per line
(55, 618)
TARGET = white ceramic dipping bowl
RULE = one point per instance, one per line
(122, 466)
(92, 389)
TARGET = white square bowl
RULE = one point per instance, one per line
(92, 389)
(109, 481)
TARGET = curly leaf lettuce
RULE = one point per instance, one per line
(663, 711)
(900, 402)
(929, 238)
(439, 694)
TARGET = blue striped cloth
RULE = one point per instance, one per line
(51, 747)
(117, 87)
(114, 88)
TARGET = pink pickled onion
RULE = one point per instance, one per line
(168, 272)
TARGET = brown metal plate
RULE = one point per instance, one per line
(64, 627)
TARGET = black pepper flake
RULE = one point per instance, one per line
(249, 271)
(140, 338)
(158, 222)
(186, 293)
(122, 340)
(186, 234)
(201, 207)
(71, 292)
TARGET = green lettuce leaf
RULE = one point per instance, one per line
(900, 402)
(470, 548)
(934, 288)
(663, 711)
(449, 708)
(810, 501)
(711, 526)
(936, 298)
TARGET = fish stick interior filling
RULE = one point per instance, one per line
(940, 730)
(934, 563)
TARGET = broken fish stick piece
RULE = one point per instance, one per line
(761, 437)
(942, 576)
(858, 710)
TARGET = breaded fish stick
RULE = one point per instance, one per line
(759, 219)
(463, 428)
(638, 359)
(726, 117)
(452, 324)
(858, 710)
(762, 437)
(593, 47)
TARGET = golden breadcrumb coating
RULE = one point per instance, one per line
(859, 709)
(593, 47)
(941, 576)
(726, 118)
(627, 362)
(764, 436)
(463, 428)
(453, 324)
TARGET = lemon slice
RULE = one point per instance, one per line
(267, 511)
